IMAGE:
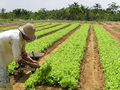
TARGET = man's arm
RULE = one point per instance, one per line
(18, 55)
(34, 65)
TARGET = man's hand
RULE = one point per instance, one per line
(28, 58)
(31, 64)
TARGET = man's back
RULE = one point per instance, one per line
(9, 40)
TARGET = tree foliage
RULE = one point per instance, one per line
(72, 12)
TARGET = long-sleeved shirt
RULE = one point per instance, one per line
(12, 45)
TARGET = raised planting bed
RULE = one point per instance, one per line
(43, 32)
(45, 42)
(109, 51)
(47, 26)
(63, 68)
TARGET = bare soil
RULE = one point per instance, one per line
(11, 24)
(114, 33)
(91, 75)
(18, 85)
(115, 27)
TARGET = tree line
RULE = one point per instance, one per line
(72, 12)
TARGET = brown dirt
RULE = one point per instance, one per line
(11, 24)
(101, 23)
(114, 33)
(48, 52)
(91, 75)
(115, 27)
(14, 24)
(109, 23)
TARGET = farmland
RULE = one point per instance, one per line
(80, 56)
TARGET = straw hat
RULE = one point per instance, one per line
(28, 30)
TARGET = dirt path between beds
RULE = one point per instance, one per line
(12, 24)
(91, 75)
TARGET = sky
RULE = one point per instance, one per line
(35, 5)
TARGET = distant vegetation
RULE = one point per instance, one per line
(72, 12)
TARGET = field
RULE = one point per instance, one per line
(78, 56)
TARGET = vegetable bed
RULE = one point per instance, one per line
(63, 68)
(109, 51)
(39, 33)
(47, 41)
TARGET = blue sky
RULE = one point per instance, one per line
(34, 5)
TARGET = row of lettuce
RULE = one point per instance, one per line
(63, 68)
(41, 29)
(109, 51)
(47, 41)
(47, 26)
(42, 43)
(52, 29)
(38, 26)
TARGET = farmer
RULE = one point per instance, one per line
(12, 47)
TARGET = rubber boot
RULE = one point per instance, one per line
(9, 86)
